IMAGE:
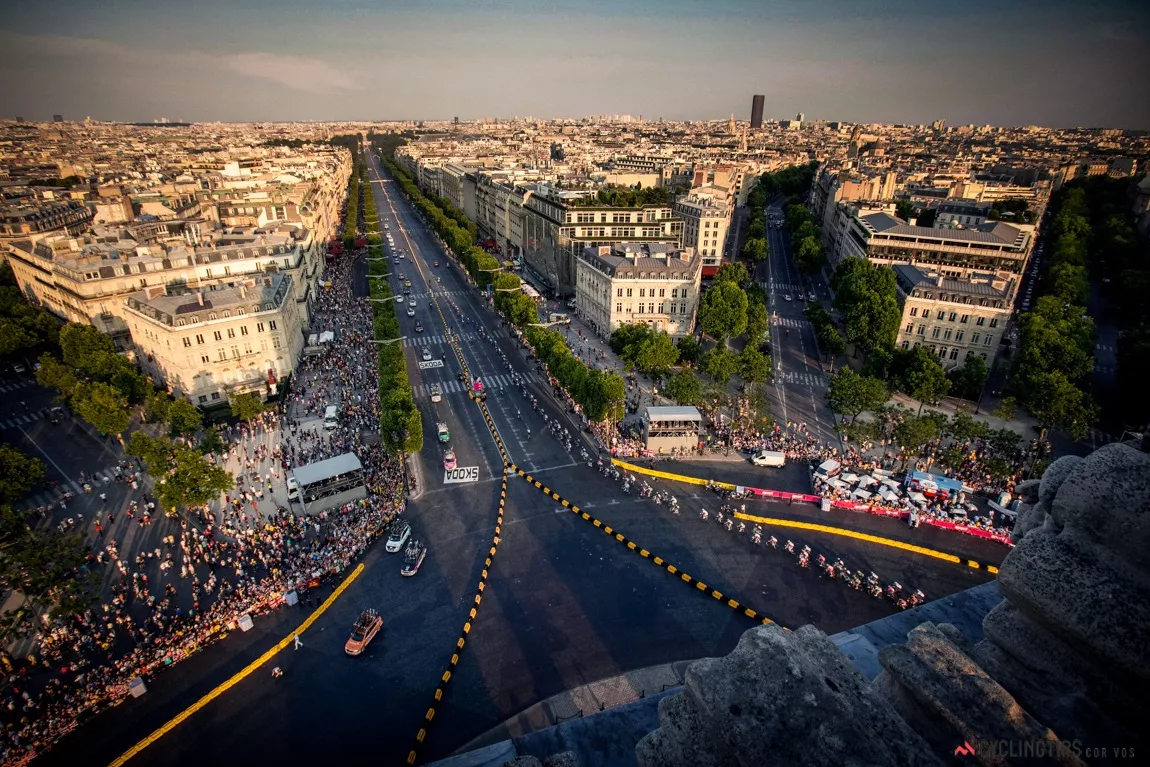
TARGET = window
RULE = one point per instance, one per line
(243, 330)
(946, 334)
(241, 311)
(988, 340)
(953, 316)
(203, 398)
(187, 342)
(227, 313)
(619, 292)
(618, 307)
(222, 353)
(642, 292)
(271, 324)
(922, 330)
(672, 309)
(942, 353)
(926, 314)
(629, 309)
(199, 338)
(958, 336)
(910, 327)
(650, 308)
(914, 311)
(276, 342)
(662, 292)
(980, 321)
(231, 332)
(993, 322)
(205, 359)
(628, 292)
(211, 316)
(906, 344)
(235, 351)
(661, 308)
(974, 337)
(247, 348)
(963, 319)
(215, 395)
(259, 327)
(954, 354)
(674, 292)
(180, 322)
(218, 335)
(682, 308)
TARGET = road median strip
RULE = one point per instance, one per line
(734, 604)
(445, 678)
(816, 528)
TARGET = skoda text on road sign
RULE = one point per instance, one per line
(430, 364)
(461, 474)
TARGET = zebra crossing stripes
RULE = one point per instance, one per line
(422, 340)
(21, 420)
(19, 383)
(788, 287)
(817, 380)
(788, 322)
(423, 391)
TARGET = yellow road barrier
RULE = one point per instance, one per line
(669, 475)
(812, 527)
(240, 676)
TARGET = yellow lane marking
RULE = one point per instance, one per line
(240, 676)
(864, 537)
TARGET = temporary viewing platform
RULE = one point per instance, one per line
(330, 483)
(671, 428)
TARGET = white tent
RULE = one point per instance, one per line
(866, 481)
(916, 496)
(326, 336)
(850, 478)
(861, 494)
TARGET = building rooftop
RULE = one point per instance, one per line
(193, 307)
(978, 284)
(989, 233)
(629, 259)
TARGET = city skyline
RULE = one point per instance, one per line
(1066, 65)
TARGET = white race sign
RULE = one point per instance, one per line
(461, 474)
(430, 364)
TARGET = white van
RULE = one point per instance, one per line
(331, 417)
(769, 458)
(828, 469)
(293, 488)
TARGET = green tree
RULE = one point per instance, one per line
(964, 428)
(156, 407)
(1058, 403)
(48, 571)
(756, 229)
(689, 349)
(14, 338)
(723, 313)
(684, 388)
(757, 322)
(657, 354)
(904, 210)
(246, 406)
(756, 249)
(922, 376)
(103, 406)
(852, 394)
(754, 366)
(1006, 409)
(184, 476)
(914, 433)
(54, 374)
(830, 341)
(971, 377)
(809, 256)
(627, 341)
(79, 343)
(868, 299)
(720, 364)
(184, 418)
(734, 272)
(19, 473)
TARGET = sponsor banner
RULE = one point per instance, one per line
(427, 365)
(461, 474)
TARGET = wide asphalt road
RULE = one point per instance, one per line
(565, 604)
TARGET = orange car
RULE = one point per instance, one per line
(363, 632)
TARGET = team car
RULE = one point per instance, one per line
(478, 389)
(410, 311)
(449, 460)
(441, 432)
(413, 558)
(418, 325)
(426, 355)
(397, 535)
(436, 393)
(366, 627)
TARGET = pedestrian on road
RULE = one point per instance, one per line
(298, 644)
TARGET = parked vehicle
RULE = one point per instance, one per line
(398, 534)
(366, 627)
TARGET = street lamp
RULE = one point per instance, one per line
(388, 340)
(378, 276)
(381, 300)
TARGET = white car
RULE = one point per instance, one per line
(787, 297)
(436, 393)
(426, 354)
(397, 536)
(411, 302)
(410, 312)
(399, 299)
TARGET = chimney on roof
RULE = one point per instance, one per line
(243, 292)
(200, 297)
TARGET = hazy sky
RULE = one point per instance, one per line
(1011, 62)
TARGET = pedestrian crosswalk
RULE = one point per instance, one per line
(19, 383)
(74, 486)
(787, 287)
(423, 391)
(816, 380)
(789, 322)
(21, 420)
(422, 340)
